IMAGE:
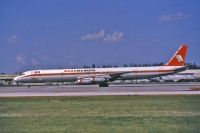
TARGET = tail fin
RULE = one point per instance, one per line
(179, 57)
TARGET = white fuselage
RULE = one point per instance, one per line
(98, 74)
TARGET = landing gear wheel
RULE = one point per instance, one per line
(103, 85)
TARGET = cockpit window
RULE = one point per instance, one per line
(37, 71)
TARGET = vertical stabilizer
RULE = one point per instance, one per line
(179, 57)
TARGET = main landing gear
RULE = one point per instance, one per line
(103, 84)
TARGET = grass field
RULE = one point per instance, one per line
(102, 114)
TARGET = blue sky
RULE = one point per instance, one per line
(40, 34)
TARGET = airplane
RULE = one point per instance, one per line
(102, 76)
(176, 78)
(184, 76)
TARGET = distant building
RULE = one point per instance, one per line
(6, 79)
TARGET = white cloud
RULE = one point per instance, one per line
(20, 59)
(115, 37)
(96, 36)
(173, 17)
(13, 39)
(104, 37)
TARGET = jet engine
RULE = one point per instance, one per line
(91, 80)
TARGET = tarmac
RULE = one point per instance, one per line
(94, 90)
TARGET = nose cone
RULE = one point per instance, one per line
(17, 79)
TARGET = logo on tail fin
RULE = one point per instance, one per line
(179, 58)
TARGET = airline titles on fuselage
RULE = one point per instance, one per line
(78, 70)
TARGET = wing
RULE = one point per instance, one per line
(108, 77)
(115, 76)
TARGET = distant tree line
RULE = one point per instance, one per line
(192, 66)
(189, 65)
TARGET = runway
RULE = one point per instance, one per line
(94, 90)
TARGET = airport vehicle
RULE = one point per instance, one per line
(102, 76)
